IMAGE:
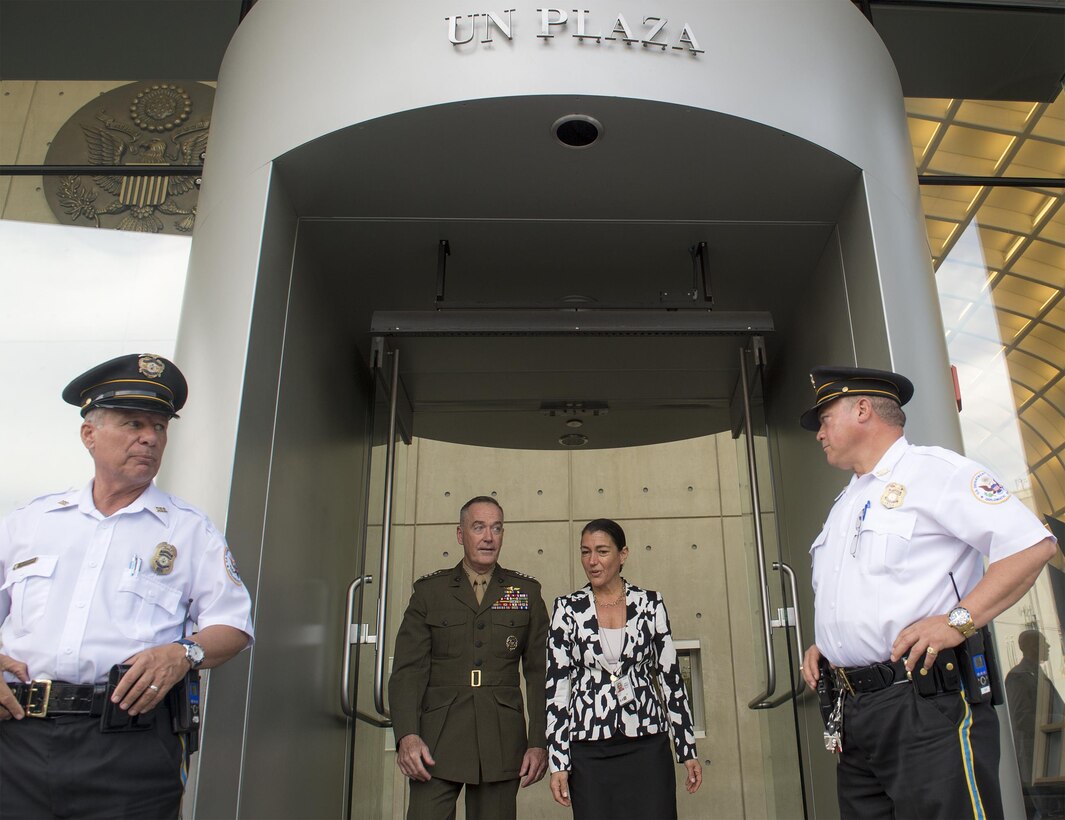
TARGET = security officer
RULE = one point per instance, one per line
(454, 691)
(110, 574)
(900, 597)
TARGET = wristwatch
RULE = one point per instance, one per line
(193, 652)
(962, 620)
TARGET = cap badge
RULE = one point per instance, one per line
(512, 642)
(150, 366)
(893, 495)
(163, 559)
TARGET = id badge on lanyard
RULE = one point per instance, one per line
(622, 688)
(622, 684)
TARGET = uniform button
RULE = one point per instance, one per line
(68, 651)
(444, 622)
(478, 644)
(92, 563)
(477, 662)
(480, 625)
(512, 622)
(80, 604)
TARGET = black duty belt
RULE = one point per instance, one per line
(872, 678)
(941, 677)
(48, 698)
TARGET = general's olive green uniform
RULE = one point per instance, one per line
(455, 673)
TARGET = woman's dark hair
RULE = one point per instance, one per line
(611, 528)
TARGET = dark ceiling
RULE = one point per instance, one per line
(973, 49)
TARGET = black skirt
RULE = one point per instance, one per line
(623, 778)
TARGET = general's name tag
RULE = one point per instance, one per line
(623, 689)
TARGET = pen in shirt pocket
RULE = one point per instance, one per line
(134, 565)
(858, 527)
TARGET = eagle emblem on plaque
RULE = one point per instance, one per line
(137, 126)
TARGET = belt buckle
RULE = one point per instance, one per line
(38, 708)
(841, 677)
(475, 677)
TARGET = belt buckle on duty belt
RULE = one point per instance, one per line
(37, 702)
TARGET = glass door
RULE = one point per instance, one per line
(771, 672)
(377, 597)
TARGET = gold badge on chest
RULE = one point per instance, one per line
(163, 559)
(512, 642)
(893, 495)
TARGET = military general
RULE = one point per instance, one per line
(455, 696)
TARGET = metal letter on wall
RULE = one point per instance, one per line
(147, 124)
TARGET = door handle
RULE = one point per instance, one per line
(350, 637)
(386, 543)
(759, 701)
(790, 617)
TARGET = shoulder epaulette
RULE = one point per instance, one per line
(522, 575)
(438, 572)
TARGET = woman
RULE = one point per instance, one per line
(607, 728)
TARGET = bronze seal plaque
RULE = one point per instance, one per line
(142, 125)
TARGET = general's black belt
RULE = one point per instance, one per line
(474, 678)
(51, 698)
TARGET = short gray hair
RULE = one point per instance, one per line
(888, 410)
(95, 417)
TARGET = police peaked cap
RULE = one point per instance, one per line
(831, 383)
(139, 381)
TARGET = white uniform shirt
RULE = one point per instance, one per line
(883, 558)
(80, 592)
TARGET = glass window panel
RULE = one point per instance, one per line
(73, 297)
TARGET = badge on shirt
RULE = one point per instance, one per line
(163, 559)
(893, 495)
(512, 642)
(986, 488)
(512, 598)
(25, 563)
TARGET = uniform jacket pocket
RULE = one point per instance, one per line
(447, 628)
(29, 587)
(435, 707)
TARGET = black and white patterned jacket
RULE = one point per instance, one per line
(581, 704)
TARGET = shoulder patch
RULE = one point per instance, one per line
(987, 488)
(444, 571)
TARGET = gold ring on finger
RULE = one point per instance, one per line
(932, 650)
(153, 687)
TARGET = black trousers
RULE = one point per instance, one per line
(623, 778)
(64, 767)
(926, 758)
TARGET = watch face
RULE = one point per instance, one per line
(959, 616)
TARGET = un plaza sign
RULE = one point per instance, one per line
(647, 32)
